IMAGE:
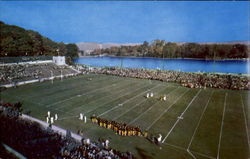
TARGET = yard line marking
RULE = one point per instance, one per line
(142, 113)
(166, 110)
(222, 123)
(147, 109)
(210, 157)
(108, 95)
(175, 146)
(183, 149)
(119, 105)
(245, 118)
(181, 115)
(112, 100)
(198, 124)
(81, 94)
(99, 98)
(68, 117)
(42, 105)
(114, 84)
(77, 84)
(131, 108)
(191, 154)
(63, 111)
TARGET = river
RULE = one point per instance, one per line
(187, 65)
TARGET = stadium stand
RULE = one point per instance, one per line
(21, 59)
(24, 72)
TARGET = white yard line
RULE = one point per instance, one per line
(68, 117)
(119, 105)
(191, 154)
(210, 157)
(198, 124)
(147, 109)
(42, 105)
(78, 95)
(175, 146)
(222, 123)
(55, 128)
(112, 100)
(245, 118)
(74, 85)
(105, 96)
(63, 111)
(46, 95)
(142, 113)
(131, 108)
(181, 116)
(166, 110)
(183, 149)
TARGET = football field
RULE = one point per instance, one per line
(194, 123)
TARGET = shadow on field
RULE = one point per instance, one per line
(143, 154)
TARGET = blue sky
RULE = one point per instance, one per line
(131, 22)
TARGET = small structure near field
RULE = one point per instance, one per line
(59, 60)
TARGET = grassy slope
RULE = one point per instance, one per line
(103, 94)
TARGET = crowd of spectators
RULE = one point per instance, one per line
(23, 72)
(92, 151)
(188, 79)
(18, 59)
(35, 141)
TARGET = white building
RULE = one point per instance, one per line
(59, 60)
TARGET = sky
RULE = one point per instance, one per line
(131, 22)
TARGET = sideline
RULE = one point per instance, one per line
(13, 152)
(56, 129)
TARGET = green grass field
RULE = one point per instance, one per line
(214, 123)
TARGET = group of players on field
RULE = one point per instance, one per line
(119, 128)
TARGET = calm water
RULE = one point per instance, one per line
(188, 65)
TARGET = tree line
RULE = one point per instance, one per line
(16, 41)
(163, 49)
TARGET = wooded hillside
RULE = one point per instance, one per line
(16, 41)
(163, 49)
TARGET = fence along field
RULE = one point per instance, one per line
(194, 123)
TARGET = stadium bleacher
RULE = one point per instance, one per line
(24, 72)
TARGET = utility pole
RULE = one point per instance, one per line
(57, 50)
(163, 61)
(52, 77)
(61, 75)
